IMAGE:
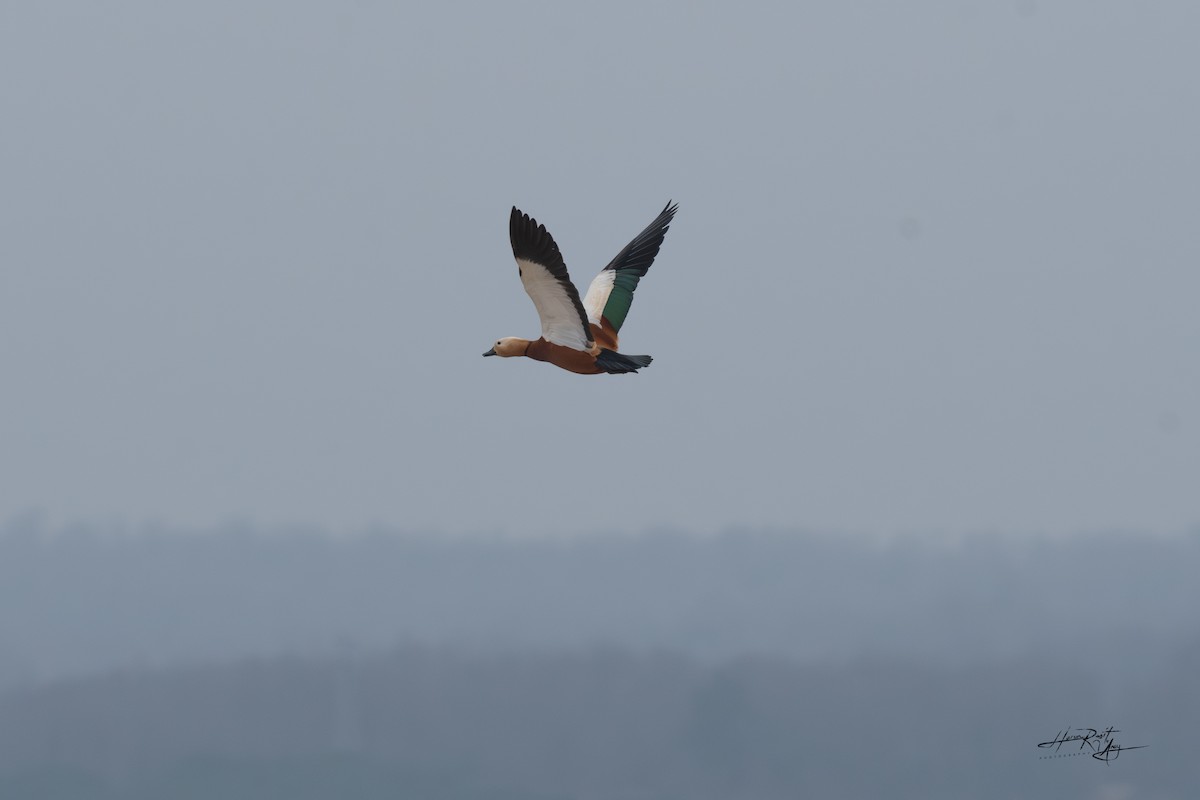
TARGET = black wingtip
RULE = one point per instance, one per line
(637, 256)
(531, 241)
(667, 214)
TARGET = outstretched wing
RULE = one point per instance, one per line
(545, 277)
(611, 292)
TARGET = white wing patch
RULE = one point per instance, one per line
(560, 319)
(597, 295)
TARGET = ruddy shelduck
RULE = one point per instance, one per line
(579, 335)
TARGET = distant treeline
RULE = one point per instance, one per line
(231, 665)
(79, 601)
(604, 723)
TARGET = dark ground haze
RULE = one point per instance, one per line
(240, 664)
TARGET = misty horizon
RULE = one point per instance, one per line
(750, 662)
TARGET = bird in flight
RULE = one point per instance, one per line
(579, 335)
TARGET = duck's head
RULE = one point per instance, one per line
(509, 346)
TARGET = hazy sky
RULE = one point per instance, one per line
(936, 264)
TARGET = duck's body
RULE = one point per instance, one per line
(580, 361)
(580, 336)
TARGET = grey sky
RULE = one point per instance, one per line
(934, 268)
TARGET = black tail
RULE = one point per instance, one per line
(616, 363)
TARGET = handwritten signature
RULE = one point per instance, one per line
(1101, 742)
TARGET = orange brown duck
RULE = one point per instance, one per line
(579, 335)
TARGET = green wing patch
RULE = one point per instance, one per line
(620, 298)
